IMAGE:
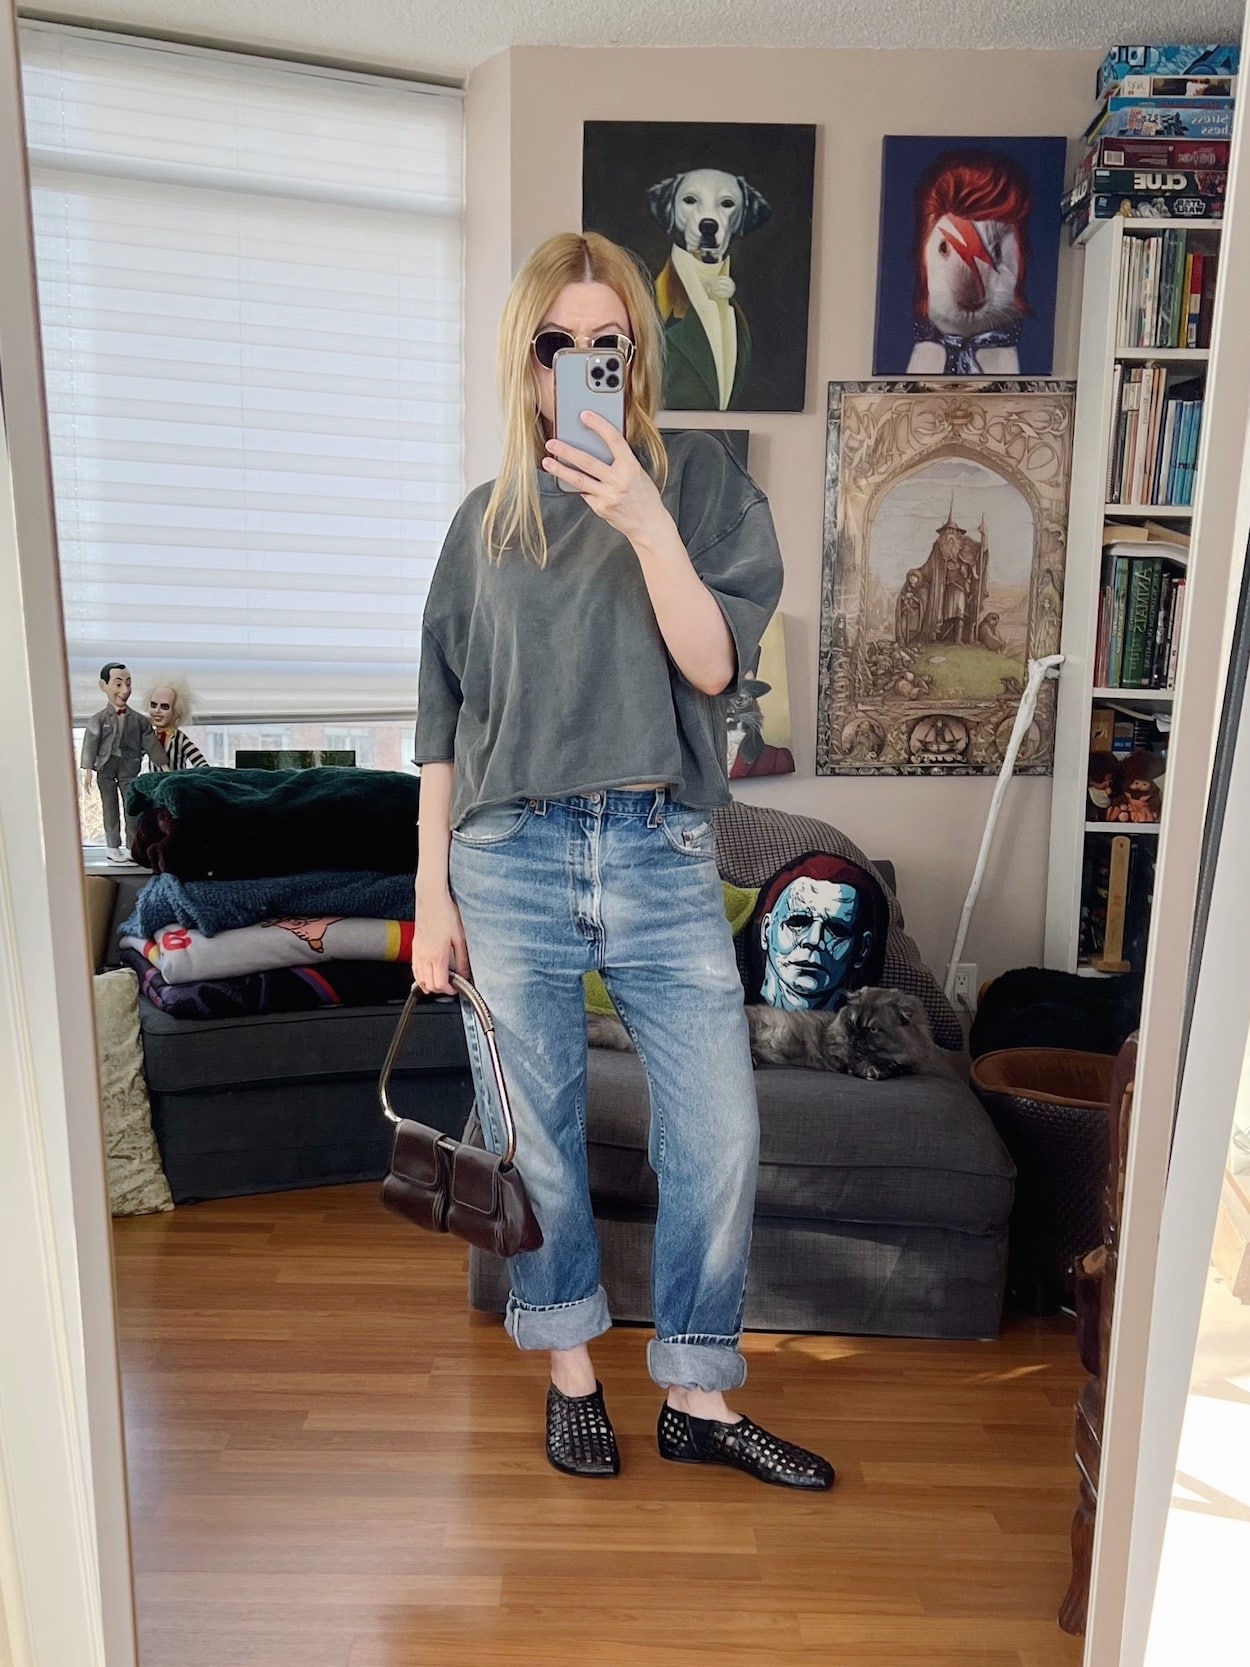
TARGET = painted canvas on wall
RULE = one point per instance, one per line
(945, 536)
(758, 714)
(969, 256)
(721, 214)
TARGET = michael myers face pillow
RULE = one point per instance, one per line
(818, 932)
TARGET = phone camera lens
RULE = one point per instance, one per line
(614, 382)
(614, 364)
(596, 372)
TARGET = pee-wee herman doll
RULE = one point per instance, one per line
(112, 753)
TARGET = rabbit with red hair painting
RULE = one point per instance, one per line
(972, 212)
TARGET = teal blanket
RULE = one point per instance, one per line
(247, 824)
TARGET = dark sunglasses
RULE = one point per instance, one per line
(547, 343)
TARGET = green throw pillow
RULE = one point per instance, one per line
(739, 905)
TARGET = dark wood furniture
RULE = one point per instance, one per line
(1095, 1302)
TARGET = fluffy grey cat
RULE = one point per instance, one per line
(875, 1034)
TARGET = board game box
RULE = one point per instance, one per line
(1179, 118)
(1154, 182)
(1158, 153)
(1122, 61)
(1176, 86)
(1086, 214)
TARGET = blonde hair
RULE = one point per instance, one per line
(513, 516)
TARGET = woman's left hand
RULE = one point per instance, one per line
(621, 493)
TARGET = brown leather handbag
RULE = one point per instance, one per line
(455, 1186)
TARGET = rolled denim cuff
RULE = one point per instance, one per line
(561, 1326)
(696, 1363)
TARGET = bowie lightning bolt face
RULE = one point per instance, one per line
(972, 268)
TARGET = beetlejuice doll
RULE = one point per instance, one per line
(113, 747)
(169, 707)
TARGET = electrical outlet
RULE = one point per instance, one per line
(965, 986)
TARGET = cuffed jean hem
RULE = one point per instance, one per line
(675, 1363)
(562, 1326)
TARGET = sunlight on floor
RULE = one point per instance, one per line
(1207, 1545)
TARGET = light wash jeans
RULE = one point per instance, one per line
(625, 883)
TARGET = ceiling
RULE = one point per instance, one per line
(447, 37)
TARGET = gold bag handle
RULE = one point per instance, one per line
(485, 1020)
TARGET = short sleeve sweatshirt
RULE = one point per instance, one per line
(543, 681)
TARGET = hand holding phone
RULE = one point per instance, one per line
(588, 379)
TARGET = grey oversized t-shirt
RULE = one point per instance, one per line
(539, 682)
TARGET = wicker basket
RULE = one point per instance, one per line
(1049, 1106)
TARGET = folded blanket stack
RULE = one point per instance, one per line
(282, 990)
(276, 890)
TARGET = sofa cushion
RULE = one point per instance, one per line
(841, 894)
(754, 841)
(259, 1104)
(913, 1151)
(185, 1055)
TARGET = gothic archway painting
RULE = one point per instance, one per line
(945, 522)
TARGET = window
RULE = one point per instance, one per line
(378, 746)
(250, 286)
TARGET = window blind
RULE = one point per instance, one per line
(250, 287)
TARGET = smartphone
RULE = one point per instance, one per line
(588, 379)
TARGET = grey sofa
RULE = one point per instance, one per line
(882, 1207)
(286, 1100)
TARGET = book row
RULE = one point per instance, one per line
(1167, 291)
(1114, 731)
(1156, 430)
(1141, 610)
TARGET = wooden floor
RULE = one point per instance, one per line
(334, 1464)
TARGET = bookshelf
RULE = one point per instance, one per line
(1077, 844)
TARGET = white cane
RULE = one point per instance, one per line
(1039, 671)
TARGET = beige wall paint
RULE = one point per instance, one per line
(931, 828)
(488, 252)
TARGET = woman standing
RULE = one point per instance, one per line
(576, 651)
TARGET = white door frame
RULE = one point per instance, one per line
(65, 1575)
(1215, 1064)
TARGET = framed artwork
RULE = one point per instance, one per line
(721, 215)
(945, 534)
(758, 713)
(969, 256)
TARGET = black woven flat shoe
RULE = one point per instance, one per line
(742, 1446)
(580, 1437)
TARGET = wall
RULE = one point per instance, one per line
(931, 828)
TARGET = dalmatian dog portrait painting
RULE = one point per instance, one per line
(969, 256)
(721, 214)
